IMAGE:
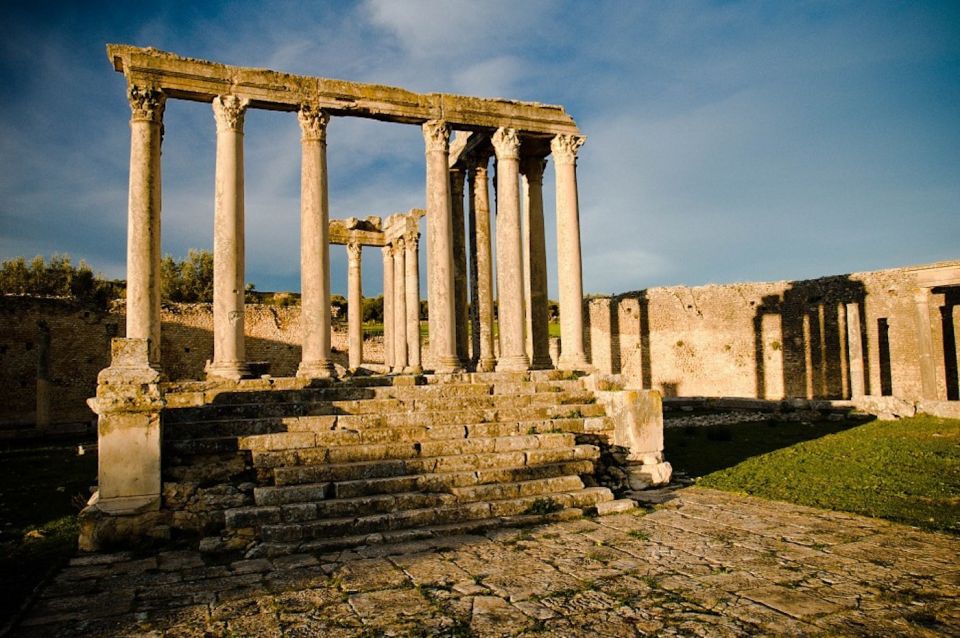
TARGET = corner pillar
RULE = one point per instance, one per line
(855, 352)
(928, 371)
(569, 267)
(316, 361)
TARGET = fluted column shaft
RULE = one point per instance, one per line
(387, 307)
(459, 264)
(440, 269)
(314, 245)
(412, 287)
(143, 218)
(229, 354)
(538, 337)
(569, 267)
(513, 356)
(354, 305)
(483, 300)
(399, 307)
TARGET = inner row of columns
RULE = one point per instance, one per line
(522, 300)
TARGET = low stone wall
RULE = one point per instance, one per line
(54, 349)
(779, 339)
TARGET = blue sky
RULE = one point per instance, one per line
(727, 141)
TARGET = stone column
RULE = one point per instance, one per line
(440, 269)
(506, 143)
(387, 307)
(400, 362)
(412, 286)
(459, 264)
(928, 371)
(483, 269)
(538, 336)
(569, 267)
(855, 351)
(354, 305)
(143, 217)
(314, 245)
(229, 354)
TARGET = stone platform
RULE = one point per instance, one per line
(707, 563)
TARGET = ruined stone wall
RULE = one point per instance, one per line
(78, 348)
(771, 340)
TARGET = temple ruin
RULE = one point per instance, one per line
(276, 465)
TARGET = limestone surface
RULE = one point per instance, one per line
(706, 563)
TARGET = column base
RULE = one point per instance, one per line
(233, 370)
(413, 370)
(543, 362)
(448, 364)
(486, 365)
(316, 370)
(573, 362)
(515, 363)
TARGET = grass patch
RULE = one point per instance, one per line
(906, 471)
(41, 490)
(543, 506)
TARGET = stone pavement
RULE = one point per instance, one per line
(707, 563)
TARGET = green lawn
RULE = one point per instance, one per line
(907, 470)
(41, 489)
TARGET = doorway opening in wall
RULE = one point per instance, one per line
(886, 374)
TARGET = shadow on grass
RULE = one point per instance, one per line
(700, 450)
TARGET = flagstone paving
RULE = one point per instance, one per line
(707, 563)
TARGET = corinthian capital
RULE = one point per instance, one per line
(146, 103)
(313, 123)
(565, 147)
(436, 136)
(228, 111)
(506, 143)
(353, 251)
(412, 239)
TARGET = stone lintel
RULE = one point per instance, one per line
(201, 80)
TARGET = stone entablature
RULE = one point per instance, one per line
(202, 81)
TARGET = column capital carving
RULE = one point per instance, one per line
(228, 111)
(565, 148)
(506, 143)
(412, 239)
(313, 123)
(387, 251)
(353, 250)
(398, 244)
(532, 168)
(146, 103)
(436, 136)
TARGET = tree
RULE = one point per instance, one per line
(187, 281)
(373, 309)
(58, 278)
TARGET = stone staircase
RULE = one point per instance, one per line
(273, 470)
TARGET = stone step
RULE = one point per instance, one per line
(308, 511)
(273, 450)
(300, 531)
(394, 467)
(388, 411)
(445, 481)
